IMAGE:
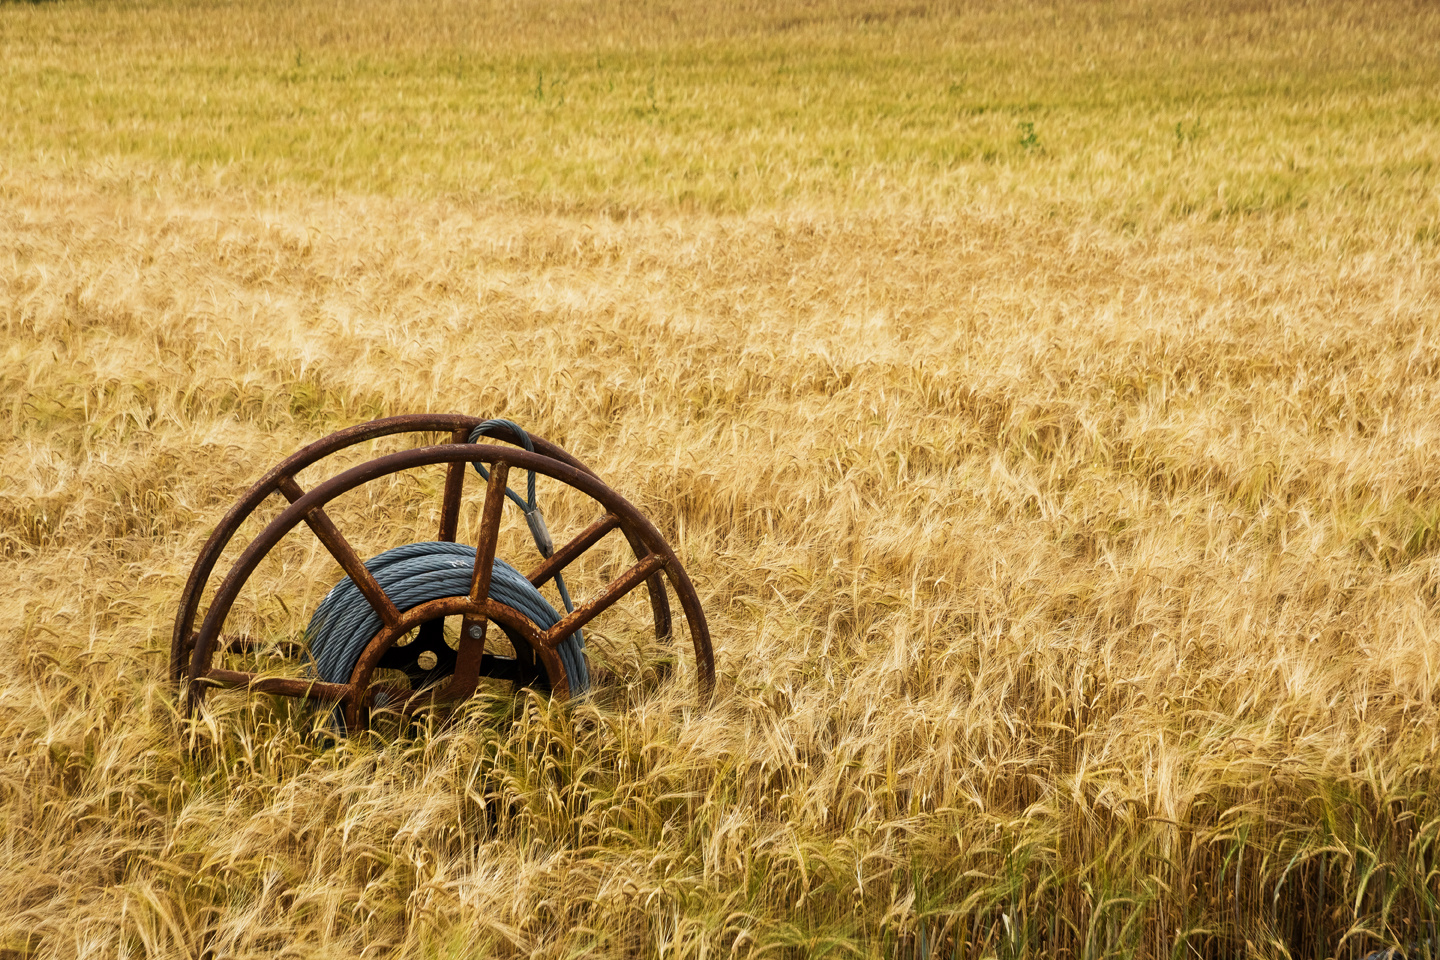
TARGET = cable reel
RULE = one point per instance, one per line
(414, 588)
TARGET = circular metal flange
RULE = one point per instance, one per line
(193, 651)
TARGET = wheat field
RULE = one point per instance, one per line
(1044, 398)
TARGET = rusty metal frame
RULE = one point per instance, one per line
(193, 651)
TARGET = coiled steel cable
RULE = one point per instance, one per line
(415, 573)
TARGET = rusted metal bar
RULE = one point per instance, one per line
(659, 602)
(468, 657)
(454, 486)
(532, 648)
(289, 686)
(221, 536)
(562, 558)
(608, 597)
(466, 678)
(459, 426)
(472, 628)
(489, 534)
(334, 541)
(699, 629)
(567, 554)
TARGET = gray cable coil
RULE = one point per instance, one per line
(411, 575)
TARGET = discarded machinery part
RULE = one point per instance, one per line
(537, 652)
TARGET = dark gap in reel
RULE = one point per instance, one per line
(428, 659)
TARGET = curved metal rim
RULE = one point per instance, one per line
(576, 477)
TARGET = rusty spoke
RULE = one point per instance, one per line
(489, 531)
(454, 486)
(472, 626)
(289, 686)
(614, 590)
(567, 554)
(468, 657)
(329, 535)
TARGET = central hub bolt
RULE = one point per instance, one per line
(476, 631)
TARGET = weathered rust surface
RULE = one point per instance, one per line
(333, 540)
(192, 651)
(289, 686)
(489, 534)
(454, 487)
(571, 551)
(608, 597)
